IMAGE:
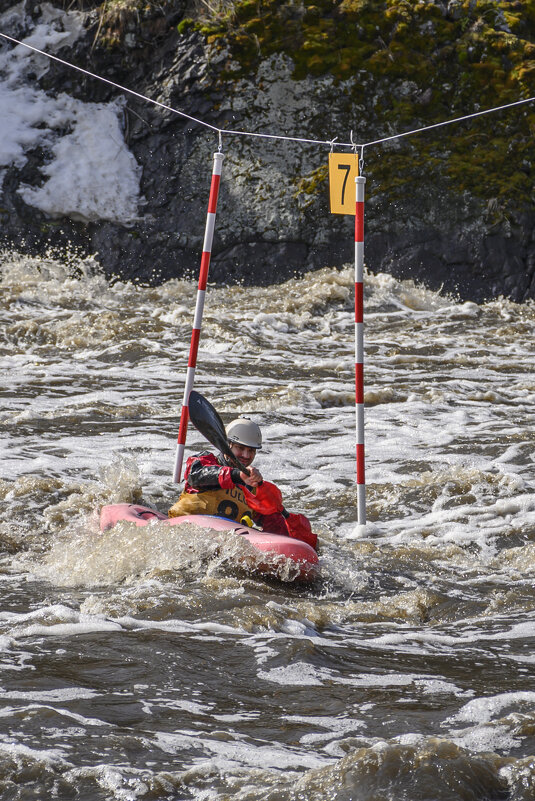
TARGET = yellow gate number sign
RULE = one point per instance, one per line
(343, 169)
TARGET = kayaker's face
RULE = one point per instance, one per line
(243, 453)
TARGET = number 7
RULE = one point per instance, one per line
(347, 168)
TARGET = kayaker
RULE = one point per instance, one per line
(213, 487)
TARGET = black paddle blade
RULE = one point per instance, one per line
(207, 421)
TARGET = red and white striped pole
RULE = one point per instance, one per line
(199, 308)
(360, 182)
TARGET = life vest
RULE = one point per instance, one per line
(229, 503)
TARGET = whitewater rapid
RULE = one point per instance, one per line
(140, 665)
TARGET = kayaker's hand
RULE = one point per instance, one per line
(253, 479)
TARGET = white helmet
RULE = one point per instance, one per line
(244, 432)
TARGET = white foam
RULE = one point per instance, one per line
(17, 751)
(298, 674)
(333, 727)
(481, 710)
(303, 674)
(62, 695)
(55, 621)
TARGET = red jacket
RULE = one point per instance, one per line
(205, 471)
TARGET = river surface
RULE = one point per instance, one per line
(142, 664)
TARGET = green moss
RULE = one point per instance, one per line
(308, 187)
(310, 184)
(185, 25)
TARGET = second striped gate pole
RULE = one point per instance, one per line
(360, 182)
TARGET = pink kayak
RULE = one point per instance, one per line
(299, 554)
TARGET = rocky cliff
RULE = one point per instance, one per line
(452, 206)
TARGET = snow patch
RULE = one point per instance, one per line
(91, 173)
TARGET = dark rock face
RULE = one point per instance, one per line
(269, 225)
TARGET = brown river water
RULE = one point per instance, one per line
(141, 664)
